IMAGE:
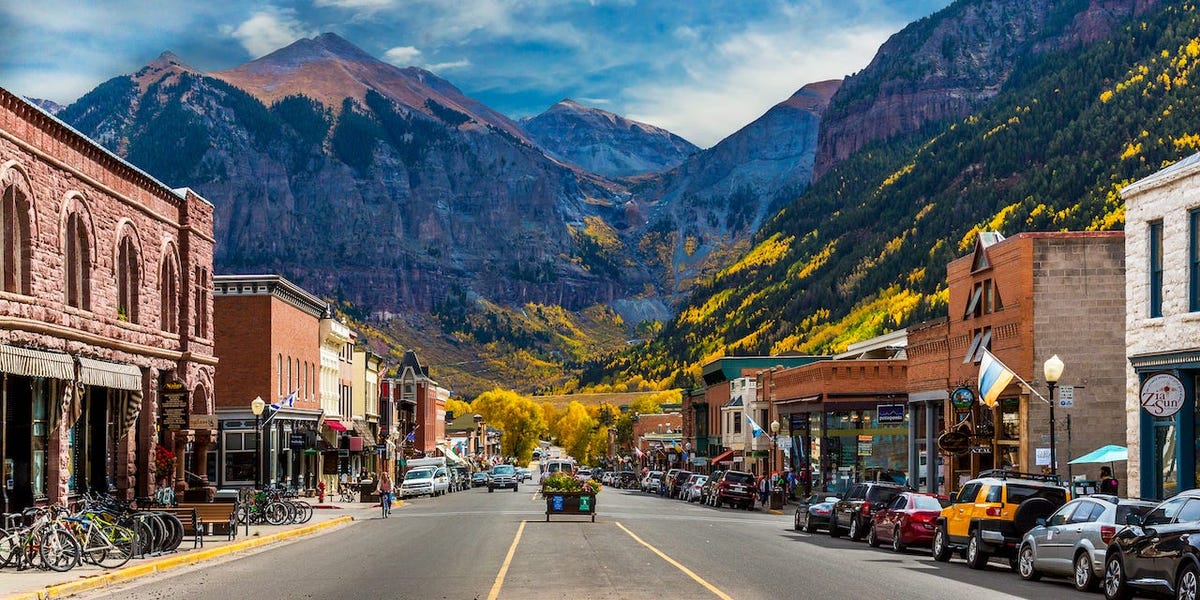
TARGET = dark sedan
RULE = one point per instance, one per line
(908, 520)
(479, 479)
(1157, 554)
(814, 511)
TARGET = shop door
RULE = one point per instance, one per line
(19, 444)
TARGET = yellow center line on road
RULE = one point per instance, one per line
(495, 593)
(676, 564)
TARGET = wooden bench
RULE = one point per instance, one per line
(204, 518)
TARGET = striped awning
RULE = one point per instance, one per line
(36, 363)
(109, 375)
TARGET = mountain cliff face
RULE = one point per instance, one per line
(955, 61)
(386, 187)
(719, 197)
(605, 143)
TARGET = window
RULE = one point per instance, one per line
(1194, 261)
(241, 447)
(169, 295)
(737, 421)
(1165, 513)
(1190, 512)
(127, 281)
(78, 265)
(1086, 513)
(1156, 268)
(202, 286)
(15, 245)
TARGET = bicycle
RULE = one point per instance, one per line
(346, 493)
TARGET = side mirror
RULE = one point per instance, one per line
(1041, 521)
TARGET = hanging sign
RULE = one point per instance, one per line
(962, 398)
(890, 413)
(1162, 395)
(954, 442)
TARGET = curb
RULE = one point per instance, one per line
(167, 564)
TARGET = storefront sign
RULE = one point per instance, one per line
(864, 445)
(297, 441)
(954, 442)
(1041, 457)
(1162, 395)
(962, 398)
(202, 421)
(173, 402)
(981, 449)
(890, 413)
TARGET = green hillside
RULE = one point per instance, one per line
(865, 250)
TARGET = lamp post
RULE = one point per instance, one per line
(257, 407)
(774, 443)
(1053, 369)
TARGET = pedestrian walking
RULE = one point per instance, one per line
(791, 484)
(764, 490)
(385, 494)
(1108, 483)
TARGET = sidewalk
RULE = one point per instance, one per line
(36, 584)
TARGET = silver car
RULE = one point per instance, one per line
(1072, 541)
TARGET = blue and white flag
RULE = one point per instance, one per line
(287, 401)
(755, 430)
(993, 378)
(411, 437)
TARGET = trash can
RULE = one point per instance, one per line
(777, 499)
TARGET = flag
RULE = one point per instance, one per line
(755, 430)
(993, 378)
(411, 437)
(288, 401)
(639, 452)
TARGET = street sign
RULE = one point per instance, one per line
(1066, 396)
(1042, 457)
(202, 421)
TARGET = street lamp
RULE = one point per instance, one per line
(257, 407)
(1053, 369)
(774, 442)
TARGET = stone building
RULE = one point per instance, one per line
(267, 337)
(1162, 326)
(105, 318)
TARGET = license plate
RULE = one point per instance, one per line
(738, 488)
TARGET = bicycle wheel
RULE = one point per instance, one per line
(119, 546)
(10, 544)
(305, 510)
(275, 513)
(174, 531)
(58, 549)
(94, 547)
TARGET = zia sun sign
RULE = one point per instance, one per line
(1162, 395)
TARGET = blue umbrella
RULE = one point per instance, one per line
(1104, 454)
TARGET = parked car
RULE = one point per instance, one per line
(479, 479)
(1159, 553)
(855, 511)
(424, 481)
(908, 520)
(814, 511)
(707, 492)
(691, 491)
(991, 514)
(1072, 542)
(736, 489)
(524, 474)
(503, 477)
(627, 480)
(678, 482)
(583, 474)
(651, 481)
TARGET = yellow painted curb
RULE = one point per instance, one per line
(776, 512)
(174, 562)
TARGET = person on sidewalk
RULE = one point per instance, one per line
(385, 494)
(1108, 483)
(764, 490)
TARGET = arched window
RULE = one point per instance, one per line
(169, 292)
(15, 246)
(128, 281)
(203, 285)
(78, 263)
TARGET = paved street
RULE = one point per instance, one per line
(641, 546)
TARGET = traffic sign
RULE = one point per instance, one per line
(1066, 396)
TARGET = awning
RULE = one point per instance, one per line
(36, 363)
(109, 375)
(725, 456)
(335, 425)
(364, 431)
(450, 454)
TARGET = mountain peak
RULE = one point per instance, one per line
(166, 67)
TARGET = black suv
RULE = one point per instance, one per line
(1160, 553)
(854, 511)
(677, 482)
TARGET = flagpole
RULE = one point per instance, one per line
(1030, 388)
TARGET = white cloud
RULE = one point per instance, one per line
(448, 66)
(355, 4)
(741, 78)
(402, 56)
(269, 30)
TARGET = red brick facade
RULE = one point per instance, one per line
(101, 262)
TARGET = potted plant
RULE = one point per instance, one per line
(566, 495)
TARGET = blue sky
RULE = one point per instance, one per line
(700, 68)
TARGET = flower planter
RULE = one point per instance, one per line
(570, 503)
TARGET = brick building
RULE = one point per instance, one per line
(1162, 226)
(267, 335)
(104, 317)
(660, 439)
(1024, 299)
(429, 404)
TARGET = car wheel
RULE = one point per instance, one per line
(1025, 564)
(941, 545)
(1115, 585)
(872, 536)
(809, 526)
(897, 543)
(1188, 585)
(1085, 577)
(976, 557)
(855, 529)
(796, 525)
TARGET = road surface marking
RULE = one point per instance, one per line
(676, 564)
(495, 593)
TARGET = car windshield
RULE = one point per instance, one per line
(742, 478)
(419, 474)
(880, 494)
(926, 503)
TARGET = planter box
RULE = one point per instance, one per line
(570, 503)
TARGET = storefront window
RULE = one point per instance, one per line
(1165, 434)
(39, 434)
(240, 451)
(1010, 419)
(858, 448)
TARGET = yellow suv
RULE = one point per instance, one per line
(990, 514)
